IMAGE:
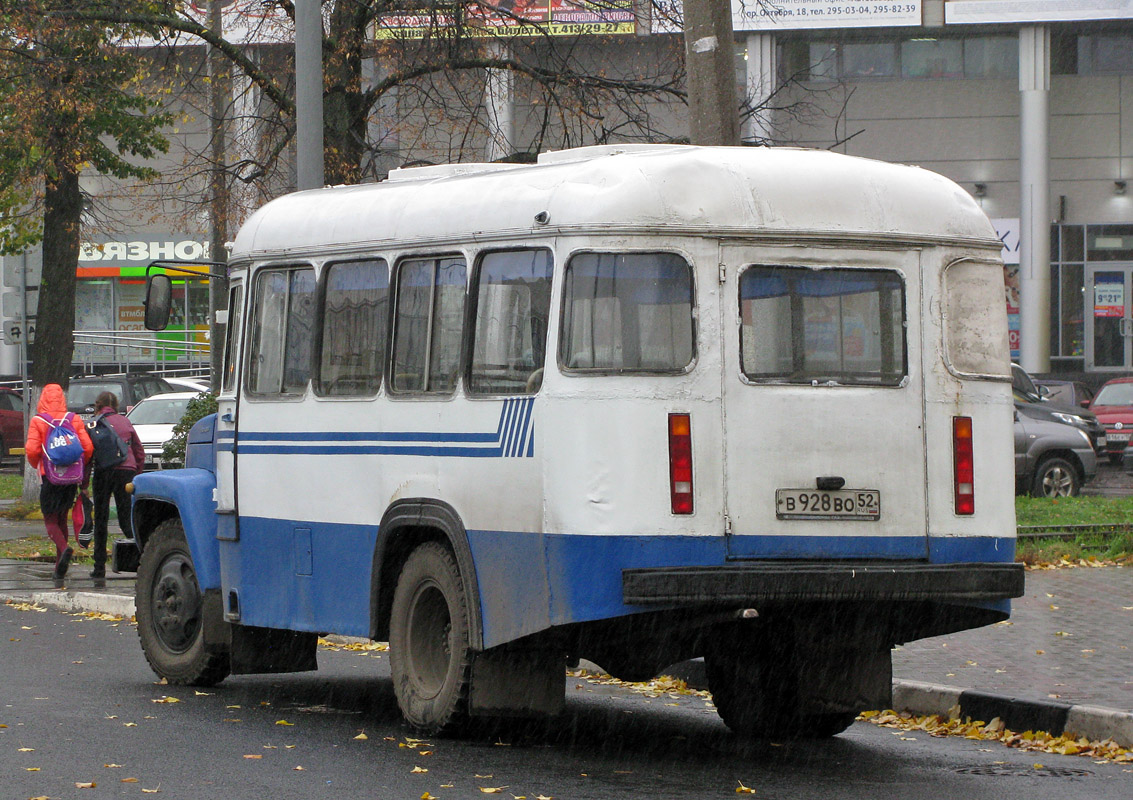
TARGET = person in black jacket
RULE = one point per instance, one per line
(111, 478)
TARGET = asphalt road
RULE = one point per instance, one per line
(79, 705)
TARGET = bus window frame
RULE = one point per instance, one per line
(906, 364)
(395, 317)
(472, 302)
(251, 320)
(585, 372)
(384, 360)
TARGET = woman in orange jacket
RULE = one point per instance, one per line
(54, 500)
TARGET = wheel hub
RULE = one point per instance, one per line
(176, 603)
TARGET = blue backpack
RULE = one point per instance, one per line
(62, 451)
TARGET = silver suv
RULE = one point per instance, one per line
(1052, 458)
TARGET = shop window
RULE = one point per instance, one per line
(869, 59)
(991, 57)
(1101, 54)
(932, 58)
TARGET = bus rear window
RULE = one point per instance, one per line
(975, 319)
(802, 325)
(627, 312)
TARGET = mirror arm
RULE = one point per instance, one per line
(182, 268)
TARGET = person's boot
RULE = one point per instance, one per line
(62, 564)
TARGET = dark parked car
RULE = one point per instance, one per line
(1065, 393)
(1113, 406)
(130, 390)
(1025, 391)
(11, 421)
(1052, 458)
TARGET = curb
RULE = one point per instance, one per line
(1018, 714)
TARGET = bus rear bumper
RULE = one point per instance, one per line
(795, 582)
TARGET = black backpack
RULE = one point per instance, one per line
(109, 448)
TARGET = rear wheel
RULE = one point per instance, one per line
(1055, 477)
(170, 612)
(429, 640)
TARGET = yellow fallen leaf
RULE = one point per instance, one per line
(112, 766)
(254, 755)
(544, 797)
(165, 699)
(31, 769)
(86, 785)
(483, 776)
(492, 789)
(741, 789)
(424, 752)
(289, 747)
(298, 768)
(203, 694)
(284, 722)
(128, 780)
(1038, 766)
(362, 737)
(150, 791)
(427, 796)
(27, 750)
(418, 770)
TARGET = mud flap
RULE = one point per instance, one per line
(517, 683)
(259, 650)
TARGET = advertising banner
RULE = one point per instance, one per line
(513, 18)
(785, 15)
(981, 11)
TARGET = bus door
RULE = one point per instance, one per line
(823, 404)
(226, 417)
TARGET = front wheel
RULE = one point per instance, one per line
(170, 612)
(1056, 477)
(429, 640)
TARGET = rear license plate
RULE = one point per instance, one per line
(862, 504)
(1117, 437)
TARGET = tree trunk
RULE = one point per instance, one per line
(55, 331)
(713, 103)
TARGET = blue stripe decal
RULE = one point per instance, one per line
(514, 437)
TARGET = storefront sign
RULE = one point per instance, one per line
(785, 15)
(981, 11)
(139, 252)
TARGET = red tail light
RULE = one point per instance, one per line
(680, 463)
(963, 465)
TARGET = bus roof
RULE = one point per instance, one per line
(724, 191)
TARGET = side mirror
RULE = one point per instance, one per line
(159, 301)
(1044, 391)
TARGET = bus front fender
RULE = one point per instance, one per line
(188, 494)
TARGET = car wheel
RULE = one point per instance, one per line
(1056, 477)
(170, 612)
(429, 640)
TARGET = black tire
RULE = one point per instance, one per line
(1055, 477)
(429, 641)
(754, 685)
(170, 612)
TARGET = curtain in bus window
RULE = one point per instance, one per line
(513, 302)
(300, 331)
(355, 304)
(279, 359)
(627, 312)
(430, 319)
(826, 325)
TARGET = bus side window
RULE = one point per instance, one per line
(626, 313)
(279, 359)
(512, 291)
(428, 323)
(355, 308)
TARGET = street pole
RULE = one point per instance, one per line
(218, 191)
(713, 103)
(309, 93)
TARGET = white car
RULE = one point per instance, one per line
(197, 385)
(154, 418)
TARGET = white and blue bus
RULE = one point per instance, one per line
(632, 404)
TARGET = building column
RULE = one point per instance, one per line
(498, 99)
(1034, 198)
(762, 66)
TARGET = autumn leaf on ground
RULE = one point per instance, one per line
(427, 796)
(741, 789)
(128, 780)
(86, 785)
(284, 722)
(492, 789)
(297, 769)
(112, 766)
(362, 736)
(151, 791)
(27, 750)
(166, 699)
(253, 755)
(418, 770)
